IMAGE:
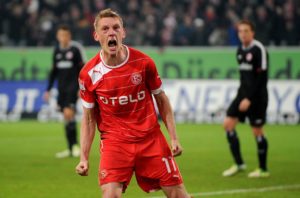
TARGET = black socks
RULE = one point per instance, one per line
(234, 144)
(71, 133)
(262, 149)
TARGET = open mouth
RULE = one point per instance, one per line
(112, 43)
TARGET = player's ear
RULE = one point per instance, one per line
(57, 35)
(96, 36)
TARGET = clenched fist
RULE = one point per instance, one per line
(82, 168)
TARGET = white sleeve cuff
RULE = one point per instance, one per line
(157, 91)
(87, 105)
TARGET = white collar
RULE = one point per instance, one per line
(117, 66)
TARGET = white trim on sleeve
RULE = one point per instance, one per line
(263, 54)
(157, 91)
(87, 104)
(81, 50)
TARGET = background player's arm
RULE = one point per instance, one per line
(51, 79)
(166, 113)
(87, 134)
(80, 58)
(254, 83)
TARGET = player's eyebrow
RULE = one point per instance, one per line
(104, 27)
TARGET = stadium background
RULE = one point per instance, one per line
(193, 44)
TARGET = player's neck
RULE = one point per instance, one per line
(247, 44)
(64, 45)
(115, 60)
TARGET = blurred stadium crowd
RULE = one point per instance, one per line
(152, 22)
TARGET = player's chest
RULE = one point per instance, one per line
(64, 55)
(64, 59)
(246, 57)
(122, 82)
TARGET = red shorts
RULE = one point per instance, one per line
(150, 159)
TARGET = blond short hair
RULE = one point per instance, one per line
(107, 13)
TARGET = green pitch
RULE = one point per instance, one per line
(28, 168)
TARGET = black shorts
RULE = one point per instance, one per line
(67, 99)
(256, 112)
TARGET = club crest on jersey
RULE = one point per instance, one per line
(69, 55)
(136, 78)
(249, 57)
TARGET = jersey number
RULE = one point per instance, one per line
(167, 163)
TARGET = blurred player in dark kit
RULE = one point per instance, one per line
(68, 59)
(251, 100)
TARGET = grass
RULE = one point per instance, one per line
(28, 168)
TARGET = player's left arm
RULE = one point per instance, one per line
(261, 63)
(166, 112)
(154, 84)
(80, 55)
(80, 59)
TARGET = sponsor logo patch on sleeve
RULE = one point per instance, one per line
(81, 85)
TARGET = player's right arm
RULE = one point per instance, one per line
(87, 134)
(51, 78)
(88, 124)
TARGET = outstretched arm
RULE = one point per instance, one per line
(166, 113)
(86, 139)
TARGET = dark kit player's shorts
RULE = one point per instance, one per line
(256, 112)
(151, 160)
(67, 99)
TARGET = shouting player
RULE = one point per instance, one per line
(116, 87)
(68, 59)
(251, 100)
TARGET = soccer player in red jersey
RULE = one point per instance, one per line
(116, 88)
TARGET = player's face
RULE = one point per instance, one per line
(110, 33)
(245, 33)
(63, 37)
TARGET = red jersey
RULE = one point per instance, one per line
(123, 95)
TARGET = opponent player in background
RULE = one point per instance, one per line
(251, 100)
(68, 59)
(116, 88)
